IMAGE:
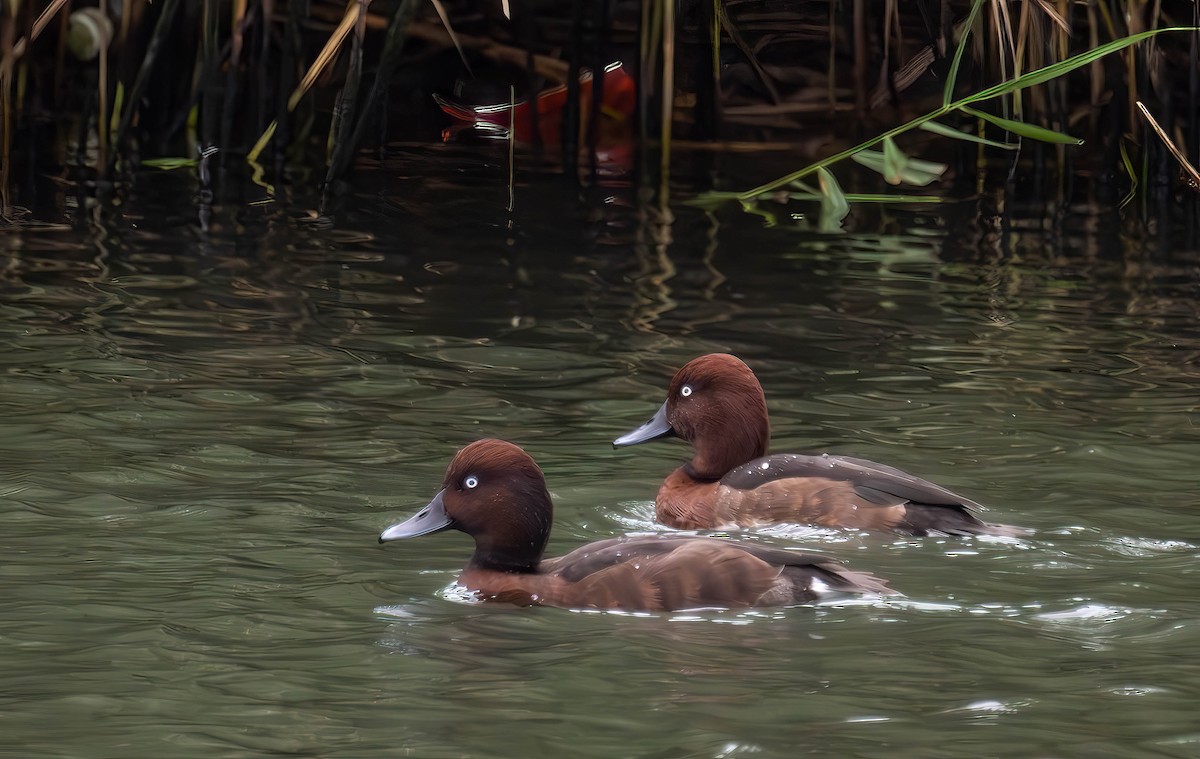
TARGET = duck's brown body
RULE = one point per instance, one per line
(494, 492)
(669, 573)
(716, 404)
(827, 491)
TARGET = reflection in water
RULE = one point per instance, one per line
(204, 433)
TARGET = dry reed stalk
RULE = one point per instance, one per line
(553, 69)
(237, 28)
(647, 61)
(14, 49)
(1002, 25)
(1184, 163)
(341, 124)
(861, 48)
(441, 11)
(327, 54)
(236, 32)
(714, 33)
(38, 25)
(891, 29)
(512, 148)
(1133, 26)
(102, 98)
(7, 33)
(149, 58)
(668, 98)
(324, 58)
(1096, 70)
(831, 80)
(736, 36)
(126, 21)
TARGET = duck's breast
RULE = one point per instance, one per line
(519, 588)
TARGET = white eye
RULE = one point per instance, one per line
(685, 391)
(471, 482)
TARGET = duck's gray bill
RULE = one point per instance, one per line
(657, 427)
(432, 518)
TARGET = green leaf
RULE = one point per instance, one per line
(946, 131)
(952, 75)
(916, 171)
(834, 207)
(894, 162)
(872, 159)
(1031, 131)
(167, 164)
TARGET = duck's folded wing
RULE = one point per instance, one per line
(604, 554)
(711, 572)
(667, 573)
(708, 573)
(878, 484)
(664, 573)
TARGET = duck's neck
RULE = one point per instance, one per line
(496, 561)
(515, 543)
(716, 457)
(685, 502)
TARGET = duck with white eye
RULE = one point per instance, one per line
(731, 480)
(495, 492)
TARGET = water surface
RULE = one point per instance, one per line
(205, 428)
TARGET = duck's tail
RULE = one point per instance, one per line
(856, 581)
(927, 519)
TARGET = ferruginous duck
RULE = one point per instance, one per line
(716, 404)
(494, 492)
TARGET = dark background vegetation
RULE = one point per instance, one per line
(92, 92)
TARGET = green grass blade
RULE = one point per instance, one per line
(713, 199)
(1055, 70)
(1131, 173)
(946, 131)
(873, 198)
(118, 104)
(855, 197)
(1031, 131)
(266, 136)
(847, 153)
(952, 75)
(167, 164)
(1026, 80)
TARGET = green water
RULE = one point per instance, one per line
(203, 433)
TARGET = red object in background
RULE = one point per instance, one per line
(493, 120)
